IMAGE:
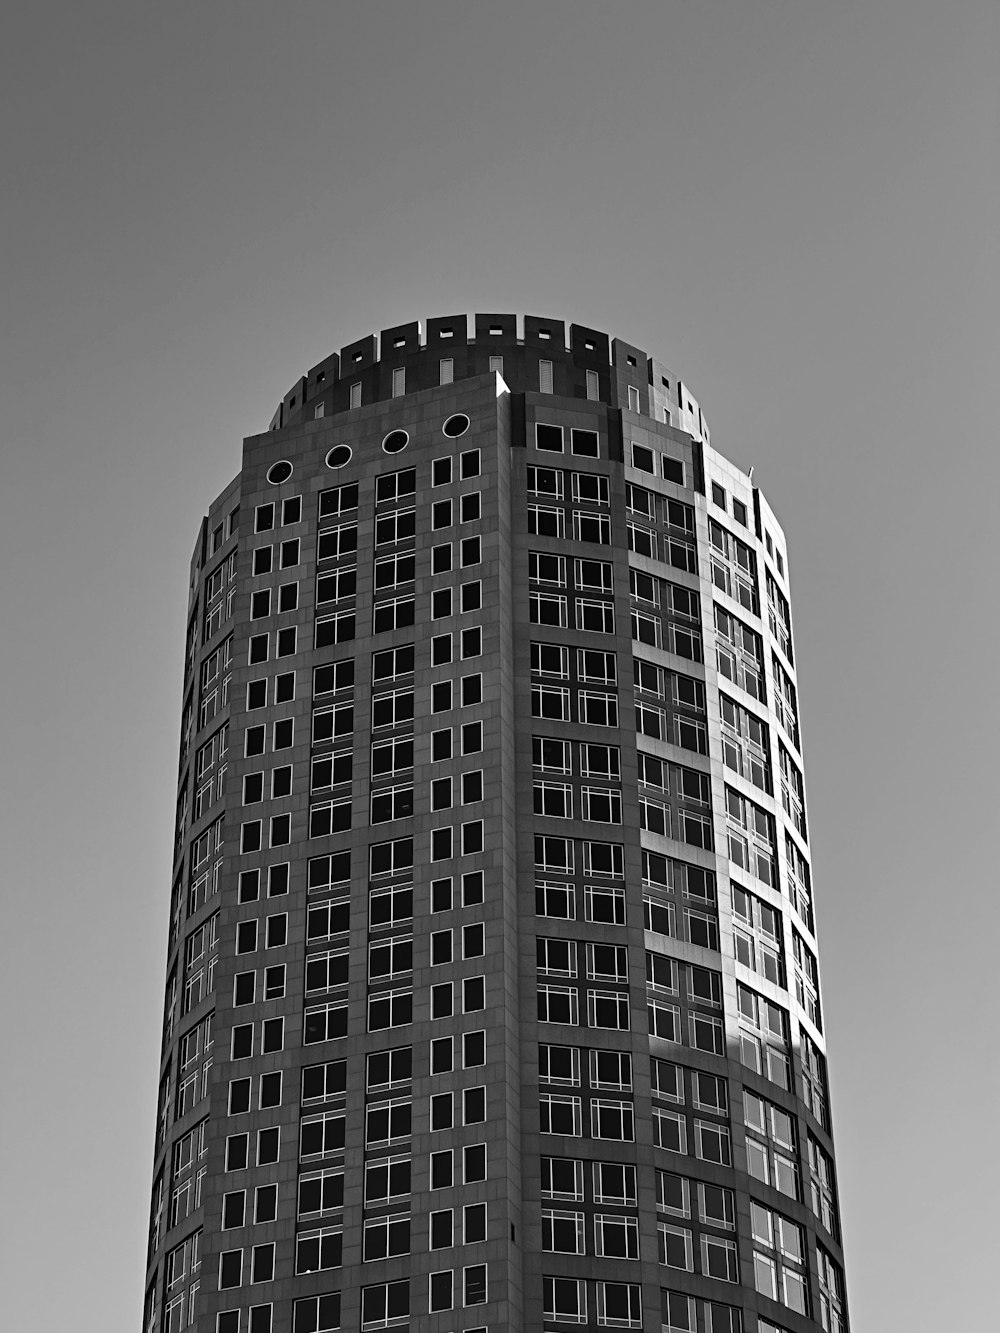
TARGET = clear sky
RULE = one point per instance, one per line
(792, 203)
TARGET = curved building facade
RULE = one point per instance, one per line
(492, 995)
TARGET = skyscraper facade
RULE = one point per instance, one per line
(492, 995)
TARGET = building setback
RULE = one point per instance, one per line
(492, 996)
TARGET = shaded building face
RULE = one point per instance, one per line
(492, 995)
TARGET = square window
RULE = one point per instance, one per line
(472, 738)
(440, 1296)
(230, 1269)
(440, 650)
(473, 1106)
(441, 950)
(673, 468)
(472, 642)
(475, 1285)
(470, 508)
(233, 1209)
(286, 642)
(472, 888)
(291, 510)
(268, 1142)
(270, 1090)
(258, 648)
(246, 937)
(474, 1163)
(469, 464)
(441, 745)
(239, 1095)
(442, 1055)
(272, 1035)
(442, 1000)
(441, 895)
(585, 443)
(441, 472)
(472, 838)
(289, 553)
(441, 515)
(473, 994)
(471, 551)
(236, 1152)
(718, 495)
(441, 844)
(442, 1112)
(244, 988)
(441, 559)
(472, 690)
(262, 559)
(442, 1170)
(284, 687)
(474, 940)
(442, 1229)
(262, 1265)
(474, 1223)
(441, 696)
(472, 596)
(473, 1049)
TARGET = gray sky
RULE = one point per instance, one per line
(792, 203)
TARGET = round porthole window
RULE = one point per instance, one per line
(339, 455)
(456, 425)
(395, 441)
(279, 472)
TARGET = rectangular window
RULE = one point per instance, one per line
(564, 1299)
(558, 1004)
(316, 1314)
(619, 1304)
(560, 1115)
(557, 901)
(338, 500)
(385, 1304)
(589, 527)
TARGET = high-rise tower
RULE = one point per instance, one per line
(492, 996)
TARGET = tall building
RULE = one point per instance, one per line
(492, 996)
